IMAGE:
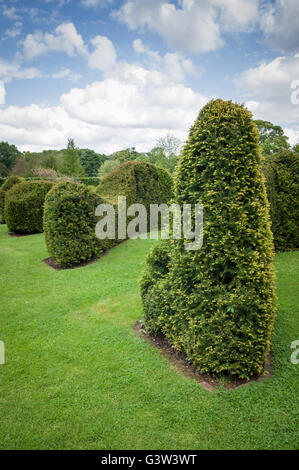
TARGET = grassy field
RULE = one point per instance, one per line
(77, 376)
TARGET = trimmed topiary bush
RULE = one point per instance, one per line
(24, 204)
(2, 201)
(7, 184)
(140, 182)
(10, 182)
(69, 224)
(281, 171)
(216, 304)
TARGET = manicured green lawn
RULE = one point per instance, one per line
(77, 376)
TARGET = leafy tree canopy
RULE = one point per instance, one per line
(71, 165)
(8, 156)
(91, 161)
(124, 155)
(271, 137)
(107, 167)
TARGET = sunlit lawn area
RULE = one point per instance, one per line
(77, 376)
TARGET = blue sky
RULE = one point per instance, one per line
(114, 74)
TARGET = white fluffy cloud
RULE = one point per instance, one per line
(174, 64)
(103, 57)
(13, 70)
(96, 3)
(280, 24)
(293, 135)
(64, 39)
(10, 12)
(68, 74)
(14, 31)
(192, 26)
(139, 98)
(130, 106)
(2, 93)
(132, 110)
(268, 89)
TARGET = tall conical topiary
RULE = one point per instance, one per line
(216, 304)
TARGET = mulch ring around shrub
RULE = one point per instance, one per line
(178, 360)
(13, 234)
(52, 263)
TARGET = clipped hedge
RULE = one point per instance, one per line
(216, 304)
(69, 224)
(10, 182)
(140, 182)
(2, 202)
(281, 171)
(24, 204)
(90, 180)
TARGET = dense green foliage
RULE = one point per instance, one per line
(140, 182)
(271, 137)
(24, 205)
(91, 161)
(125, 155)
(7, 183)
(76, 365)
(157, 156)
(2, 180)
(71, 165)
(2, 201)
(8, 156)
(10, 182)
(89, 180)
(281, 171)
(107, 167)
(69, 224)
(216, 304)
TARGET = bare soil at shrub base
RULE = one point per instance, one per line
(13, 234)
(178, 360)
(52, 263)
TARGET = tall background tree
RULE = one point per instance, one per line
(71, 165)
(8, 156)
(91, 161)
(271, 137)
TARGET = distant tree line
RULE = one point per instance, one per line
(73, 161)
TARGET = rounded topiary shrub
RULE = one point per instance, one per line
(140, 182)
(69, 224)
(2, 201)
(24, 205)
(7, 184)
(281, 171)
(216, 304)
(10, 182)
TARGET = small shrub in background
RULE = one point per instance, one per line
(24, 204)
(69, 224)
(90, 180)
(7, 184)
(140, 182)
(2, 201)
(10, 182)
(281, 171)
